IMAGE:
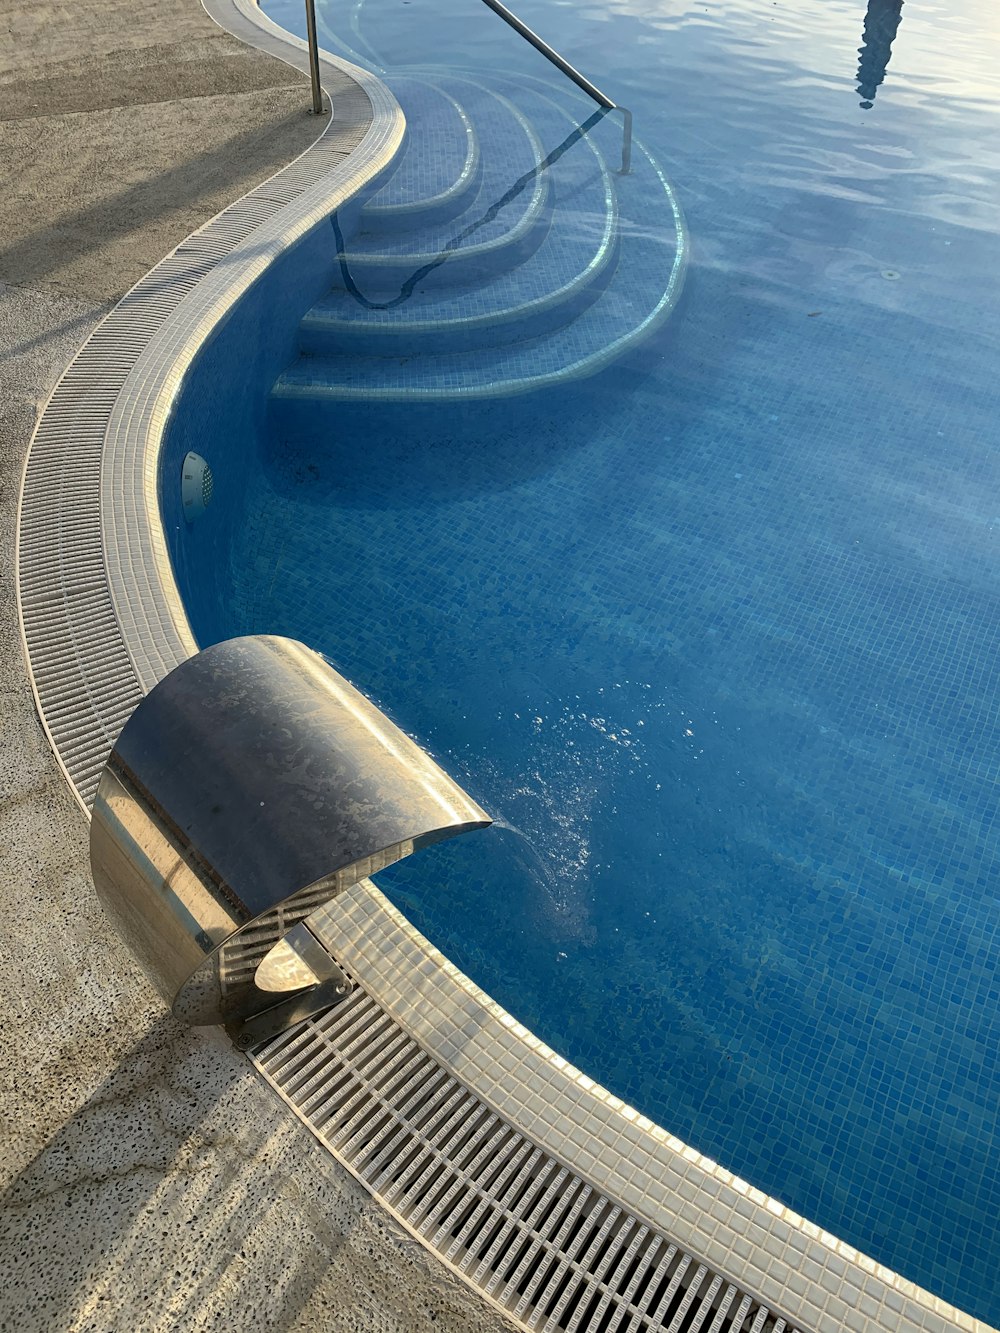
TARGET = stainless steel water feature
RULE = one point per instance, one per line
(248, 788)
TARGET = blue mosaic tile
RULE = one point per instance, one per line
(441, 156)
(712, 634)
(508, 149)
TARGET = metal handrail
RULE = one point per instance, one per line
(589, 88)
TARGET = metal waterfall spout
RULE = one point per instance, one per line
(248, 788)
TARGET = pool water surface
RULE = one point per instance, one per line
(713, 633)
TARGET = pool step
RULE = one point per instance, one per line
(554, 285)
(434, 178)
(641, 296)
(554, 267)
(500, 225)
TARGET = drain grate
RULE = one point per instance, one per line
(547, 1247)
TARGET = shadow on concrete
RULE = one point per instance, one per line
(85, 321)
(226, 171)
(162, 1194)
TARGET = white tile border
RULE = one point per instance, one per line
(789, 1263)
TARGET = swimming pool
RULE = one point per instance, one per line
(711, 633)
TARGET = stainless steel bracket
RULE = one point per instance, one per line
(301, 971)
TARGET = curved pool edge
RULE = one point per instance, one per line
(102, 622)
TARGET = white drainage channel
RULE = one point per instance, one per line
(536, 1238)
(560, 1203)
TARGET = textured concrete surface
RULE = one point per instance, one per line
(124, 127)
(149, 1179)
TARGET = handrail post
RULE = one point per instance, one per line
(626, 141)
(317, 91)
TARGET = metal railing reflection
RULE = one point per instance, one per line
(248, 788)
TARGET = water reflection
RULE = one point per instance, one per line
(881, 25)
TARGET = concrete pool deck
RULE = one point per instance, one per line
(150, 1179)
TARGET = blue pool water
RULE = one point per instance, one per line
(712, 633)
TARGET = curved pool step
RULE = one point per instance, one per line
(506, 219)
(647, 282)
(553, 286)
(501, 304)
(438, 172)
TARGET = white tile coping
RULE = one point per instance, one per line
(787, 1262)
